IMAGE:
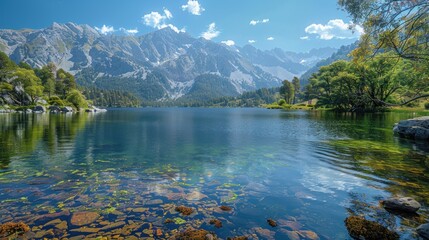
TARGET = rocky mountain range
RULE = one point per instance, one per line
(161, 65)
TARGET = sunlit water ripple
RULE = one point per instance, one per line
(307, 170)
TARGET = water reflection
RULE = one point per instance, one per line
(308, 170)
(24, 134)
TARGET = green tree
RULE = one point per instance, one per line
(397, 25)
(46, 74)
(287, 91)
(31, 84)
(297, 86)
(76, 98)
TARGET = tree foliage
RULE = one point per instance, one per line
(367, 85)
(401, 26)
(287, 91)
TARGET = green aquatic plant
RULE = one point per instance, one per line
(179, 221)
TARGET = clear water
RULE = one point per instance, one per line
(306, 170)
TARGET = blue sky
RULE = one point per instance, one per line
(296, 25)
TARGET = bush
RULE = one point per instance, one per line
(427, 106)
(281, 102)
(56, 101)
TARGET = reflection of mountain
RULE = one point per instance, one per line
(21, 133)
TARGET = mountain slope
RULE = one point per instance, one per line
(341, 54)
(161, 65)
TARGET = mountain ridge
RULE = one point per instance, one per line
(163, 63)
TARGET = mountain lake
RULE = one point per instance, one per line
(122, 174)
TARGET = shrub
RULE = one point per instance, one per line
(281, 102)
(56, 101)
(427, 106)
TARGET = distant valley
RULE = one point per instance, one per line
(160, 66)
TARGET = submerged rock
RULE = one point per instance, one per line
(192, 234)
(216, 222)
(360, 228)
(423, 231)
(405, 204)
(10, 228)
(416, 128)
(186, 211)
(238, 238)
(84, 218)
(272, 223)
(225, 208)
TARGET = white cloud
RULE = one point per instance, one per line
(211, 32)
(129, 31)
(154, 19)
(251, 41)
(194, 7)
(157, 20)
(228, 42)
(105, 29)
(304, 38)
(335, 29)
(174, 28)
(270, 38)
(168, 13)
(254, 22)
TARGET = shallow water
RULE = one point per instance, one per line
(306, 170)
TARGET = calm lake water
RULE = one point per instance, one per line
(131, 167)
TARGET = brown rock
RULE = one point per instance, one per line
(10, 228)
(195, 196)
(62, 225)
(238, 238)
(272, 223)
(184, 210)
(360, 228)
(225, 208)
(309, 235)
(216, 222)
(48, 216)
(192, 234)
(140, 210)
(86, 230)
(113, 226)
(84, 218)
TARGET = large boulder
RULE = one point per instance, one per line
(39, 109)
(404, 204)
(66, 109)
(416, 128)
(54, 109)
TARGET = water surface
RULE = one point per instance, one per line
(307, 170)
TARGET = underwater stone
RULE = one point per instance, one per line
(113, 226)
(405, 204)
(360, 228)
(423, 231)
(216, 222)
(84, 218)
(272, 223)
(12, 228)
(186, 211)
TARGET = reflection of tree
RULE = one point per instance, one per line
(369, 150)
(20, 133)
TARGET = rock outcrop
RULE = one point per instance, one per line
(416, 128)
(405, 204)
